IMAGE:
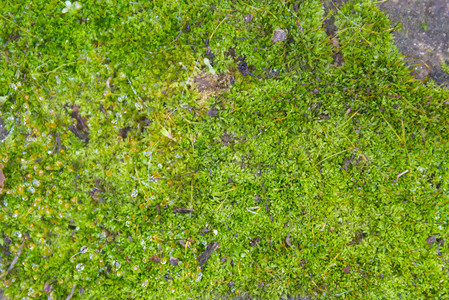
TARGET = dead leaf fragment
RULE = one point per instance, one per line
(174, 261)
(347, 269)
(288, 240)
(430, 240)
(48, 288)
(254, 242)
(156, 259)
(248, 18)
(2, 180)
(279, 35)
(207, 253)
(108, 82)
(182, 210)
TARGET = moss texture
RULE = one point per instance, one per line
(217, 149)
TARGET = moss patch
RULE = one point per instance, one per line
(133, 171)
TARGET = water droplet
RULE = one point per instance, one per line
(116, 265)
(80, 267)
(144, 283)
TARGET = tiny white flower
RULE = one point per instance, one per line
(215, 231)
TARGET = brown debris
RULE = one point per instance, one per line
(156, 259)
(182, 210)
(77, 133)
(279, 35)
(254, 242)
(108, 82)
(96, 193)
(14, 261)
(187, 242)
(81, 122)
(57, 143)
(248, 18)
(431, 240)
(207, 253)
(2, 180)
(48, 288)
(123, 132)
(103, 110)
(347, 269)
(288, 240)
(210, 85)
(81, 129)
(174, 261)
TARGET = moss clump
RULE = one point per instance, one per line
(292, 172)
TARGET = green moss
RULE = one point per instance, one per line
(445, 67)
(315, 177)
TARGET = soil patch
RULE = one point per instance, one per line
(424, 37)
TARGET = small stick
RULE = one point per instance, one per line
(71, 292)
(341, 294)
(400, 174)
(251, 211)
(14, 261)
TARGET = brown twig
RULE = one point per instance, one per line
(14, 261)
(400, 174)
(71, 292)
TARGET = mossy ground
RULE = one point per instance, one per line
(317, 163)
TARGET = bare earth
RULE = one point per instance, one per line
(424, 36)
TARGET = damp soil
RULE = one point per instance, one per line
(423, 37)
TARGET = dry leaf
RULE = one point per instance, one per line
(156, 259)
(279, 35)
(207, 253)
(248, 18)
(288, 240)
(2, 180)
(430, 240)
(48, 288)
(174, 261)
